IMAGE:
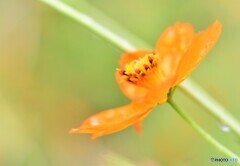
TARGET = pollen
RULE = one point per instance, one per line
(138, 69)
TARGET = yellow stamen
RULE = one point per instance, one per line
(141, 71)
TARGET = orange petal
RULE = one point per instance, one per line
(200, 46)
(172, 44)
(130, 90)
(138, 127)
(112, 120)
(161, 92)
(130, 56)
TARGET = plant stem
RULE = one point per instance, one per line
(202, 132)
(90, 23)
(188, 86)
(215, 109)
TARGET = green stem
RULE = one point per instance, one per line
(188, 86)
(90, 23)
(202, 132)
(212, 106)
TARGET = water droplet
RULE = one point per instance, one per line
(224, 128)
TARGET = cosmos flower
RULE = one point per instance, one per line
(146, 77)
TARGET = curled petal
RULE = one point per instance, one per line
(112, 120)
(172, 45)
(130, 90)
(138, 127)
(200, 46)
(130, 56)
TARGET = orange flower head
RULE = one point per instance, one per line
(146, 77)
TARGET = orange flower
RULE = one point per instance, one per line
(147, 76)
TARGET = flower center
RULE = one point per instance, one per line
(143, 71)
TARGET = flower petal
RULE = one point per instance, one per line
(113, 120)
(172, 44)
(200, 46)
(138, 127)
(130, 90)
(130, 56)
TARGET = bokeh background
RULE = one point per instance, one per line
(54, 73)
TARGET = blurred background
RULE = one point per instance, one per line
(54, 73)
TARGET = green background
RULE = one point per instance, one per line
(54, 73)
